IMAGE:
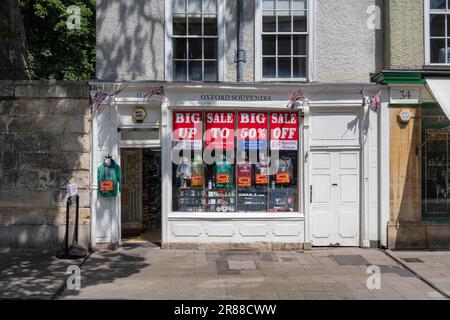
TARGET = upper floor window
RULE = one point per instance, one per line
(195, 40)
(284, 39)
(438, 31)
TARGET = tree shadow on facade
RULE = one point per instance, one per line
(130, 40)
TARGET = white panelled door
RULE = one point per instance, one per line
(335, 198)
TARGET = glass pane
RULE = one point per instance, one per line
(179, 48)
(269, 45)
(195, 48)
(284, 4)
(179, 26)
(284, 23)
(209, 6)
(268, 4)
(437, 50)
(300, 24)
(437, 25)
(299, 4)
(299, 68)
(179, 71)
(211, 71)
(284, 45)
(210, 26)
(269, 68)
(210, 48)
(179, 6)
(284, 67)
(437, 4)
(299, 43)
(194, 6)
(195, 71)
(195, 26)
(269, 24)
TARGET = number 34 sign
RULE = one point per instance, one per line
(405, 96)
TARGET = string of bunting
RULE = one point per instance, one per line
(298, 98)
(101, 95)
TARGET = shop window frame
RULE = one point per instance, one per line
(168, 44)
(299, 214)
(429, 217)
(427, 32)
(309, 69)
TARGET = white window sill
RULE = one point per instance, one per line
(236, 216)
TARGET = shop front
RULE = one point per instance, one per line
(241, 165)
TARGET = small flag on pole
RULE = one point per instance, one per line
(375, 102)
(296, 97)
(99, 97)
(158, 91)
(118, 91)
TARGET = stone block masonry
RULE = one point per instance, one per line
(44, 141)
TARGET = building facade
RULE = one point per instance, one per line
(252, 111)
(417, 57)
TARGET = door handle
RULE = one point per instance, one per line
(310, 194)
(335, 185)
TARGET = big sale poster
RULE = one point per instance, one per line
(284, 131)
(187, 130)
(252, 130)
(219, 130)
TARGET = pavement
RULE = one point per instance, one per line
(147, 272)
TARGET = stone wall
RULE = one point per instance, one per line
(44, 140)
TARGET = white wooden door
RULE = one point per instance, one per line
(335, 198)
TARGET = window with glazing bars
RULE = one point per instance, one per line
(439, 31)
(194, 40)
(284, 39)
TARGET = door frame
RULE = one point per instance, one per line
(308, 148)
(360, 180)
(137, 145)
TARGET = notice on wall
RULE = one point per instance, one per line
(187, 130)
(284, 131)
(219, 130)
(252, 130)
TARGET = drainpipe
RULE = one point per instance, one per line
(240, 52)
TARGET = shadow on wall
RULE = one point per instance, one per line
(405, 185)
(44, 142)
(31, 276)
(130, 40)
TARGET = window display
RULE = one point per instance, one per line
(246, 161)
(436, 165)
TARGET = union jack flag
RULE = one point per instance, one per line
(375, 102)
(158, 91)
(297, 96)
(99, 97)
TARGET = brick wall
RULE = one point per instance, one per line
(44, 139)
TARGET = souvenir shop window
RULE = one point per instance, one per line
(435, 164)
(227, 161)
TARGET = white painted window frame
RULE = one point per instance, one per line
(168, 41)
(428, 12)
(310, 45)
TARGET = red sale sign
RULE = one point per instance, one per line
(219, 130)
(284, 127)
(187, 128)
(252, 130)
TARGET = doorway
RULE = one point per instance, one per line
(141, 195)
(335, 198)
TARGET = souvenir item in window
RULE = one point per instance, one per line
(262, 171)
(198, 175)
(283, 172)
(184, 172)
(223, 173)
